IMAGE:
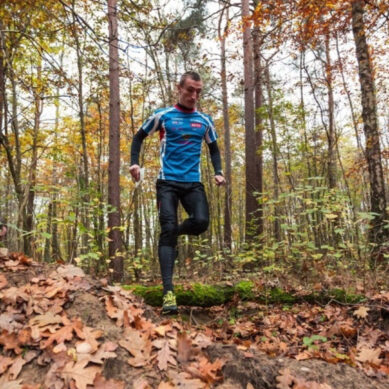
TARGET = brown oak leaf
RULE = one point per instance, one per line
(10, 341)
(89, 335)
(6, 384)
(3, 281)
(141, 383)
(45, 320)
(184, 347)
(59, 336)
(81, 374)
(185, 380)
(285, 379)
(165, 354)
(5, 362)
(70, 271)
(139, 345)
(370, 355)
(207, 371)
(102, 383)
(106, 351)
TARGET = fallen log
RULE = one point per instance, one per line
(204, 295)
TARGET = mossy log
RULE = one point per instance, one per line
(209, 295)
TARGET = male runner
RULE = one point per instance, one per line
(182, 129)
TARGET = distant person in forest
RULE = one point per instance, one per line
(182, 129)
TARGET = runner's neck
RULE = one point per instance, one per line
(183, 108)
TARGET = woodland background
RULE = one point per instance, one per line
(298, 90)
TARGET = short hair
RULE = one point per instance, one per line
(193, 75)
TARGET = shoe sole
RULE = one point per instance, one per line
(169, 311)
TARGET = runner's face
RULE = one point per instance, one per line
(189, 93)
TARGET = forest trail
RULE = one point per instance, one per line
(63, 329)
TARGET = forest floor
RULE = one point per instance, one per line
(62, 329)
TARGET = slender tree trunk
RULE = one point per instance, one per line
(115, 243)
(276, 179)
(250, 141)
(331, 136)
(227, 136)
(84, 169)
(55, 246)
(258, 121)
(378, 234)
(29, 221)
(49, 226)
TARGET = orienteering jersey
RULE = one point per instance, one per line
(181, 136)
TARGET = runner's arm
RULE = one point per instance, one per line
(136, 146)
(215, 158)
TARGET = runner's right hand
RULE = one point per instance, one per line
(135, 172)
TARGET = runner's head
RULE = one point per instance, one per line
(189, 89)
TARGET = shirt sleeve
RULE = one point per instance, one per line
(153, 123)
(210, 134)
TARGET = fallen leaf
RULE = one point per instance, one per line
(16, 367)
(3, 281)
(184, 380)
(104, 352)
(5, 362)
(81, 374)
(8, 322)
(6, 384)
(59, 336)
(90, 335)
(285, 379)
(162, 330)
(166, 385)
(141, 383)
(10, 342)
(165, 354)
(59, 348)
(207, 371)
(45, 320)
(369, 355)
(70, 271)
(202, 340)
(361, 312)
(102, 383)
(139, 345)
(184, 347)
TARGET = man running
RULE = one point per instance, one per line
(182, 129)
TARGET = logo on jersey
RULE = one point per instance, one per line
(196, 125)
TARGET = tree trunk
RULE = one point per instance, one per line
(30, 188)
(331, 136)
(258, 122)
(276, 179)
(250, 142)
(84, 170)
(377, 234)
(227, 137)
(115, 243)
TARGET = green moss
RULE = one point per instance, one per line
(196, 294)
(245, 290)
(277, 295)
(342, 296)
(151, 294)
(208, 295)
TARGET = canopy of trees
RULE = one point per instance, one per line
(299, 92)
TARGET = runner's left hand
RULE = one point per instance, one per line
(220, 180)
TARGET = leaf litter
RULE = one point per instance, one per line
(62, 329)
